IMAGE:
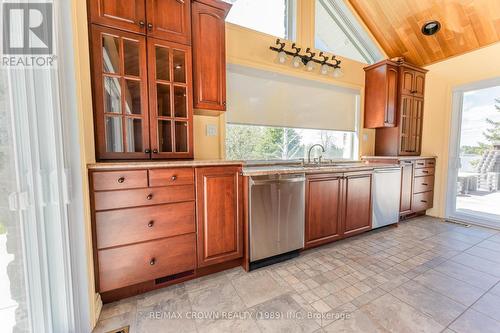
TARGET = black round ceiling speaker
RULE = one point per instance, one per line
(431, 27)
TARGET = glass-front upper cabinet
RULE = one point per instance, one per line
(170, 99)
(120, 94)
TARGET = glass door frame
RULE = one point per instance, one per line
(454, 155)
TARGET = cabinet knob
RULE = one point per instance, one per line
(224, 103)
(149, 197)
(150, 26)
(147, 151)
(155, 151)
(151, 223)
(142, 24)
(152, 261)
(173, 178)
(121, 180)
(180, 1)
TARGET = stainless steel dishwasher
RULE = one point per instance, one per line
(386, 196)
(276, 218)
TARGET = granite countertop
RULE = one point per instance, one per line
(122, 165)
(288, 169)
(397, 157)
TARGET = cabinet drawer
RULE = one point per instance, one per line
(165, 177)
(133, 225)
(430, 163)
(142, 197)
(419, 164)
(128, 265)
(423, 184)
(422, 201)
(119, 180)
(424, 172)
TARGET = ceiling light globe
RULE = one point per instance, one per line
(338, 72)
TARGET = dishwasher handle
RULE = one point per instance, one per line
(387, 170)
(277, 181)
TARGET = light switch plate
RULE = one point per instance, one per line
(211, 130)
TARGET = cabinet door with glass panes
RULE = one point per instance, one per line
(170, 99)
(120, 94)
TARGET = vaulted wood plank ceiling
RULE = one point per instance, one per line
(396, 24)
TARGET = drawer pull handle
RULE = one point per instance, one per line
(424, 201)
(420, 163)
(425, 171)
(121, 180)
(151, 223)
(149, 197)
(173, 178)
(152, 261)
(425, 184)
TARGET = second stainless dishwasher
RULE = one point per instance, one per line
(277, 205)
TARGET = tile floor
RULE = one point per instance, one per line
(424, 276)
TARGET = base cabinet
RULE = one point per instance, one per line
(323, 210)
(337, 206)
(219, 213)
(357, 216)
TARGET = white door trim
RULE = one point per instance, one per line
(454, 154)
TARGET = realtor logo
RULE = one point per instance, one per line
(27, 28)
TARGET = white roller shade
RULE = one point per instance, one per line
(257, 97)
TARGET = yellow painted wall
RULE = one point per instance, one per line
(442, 78)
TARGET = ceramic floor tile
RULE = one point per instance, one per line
(455, 289)
(396, 316)
(257, 287)
(222, 298)
(292, 317)
(358, 321)
(475, 322)
(484, 253)
(463, 273)
(440, 308)
(478, 263)
(489, 305)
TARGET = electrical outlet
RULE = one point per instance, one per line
(211, 130)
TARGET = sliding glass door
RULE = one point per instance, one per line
(474, 169)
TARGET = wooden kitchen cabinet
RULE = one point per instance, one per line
(337, 206)
(209, 54)
(219, 209)
(166, 19)
(120, 94)
(406, 186)
(169, 20)
(142, 96)
(126, 15)
(396, 110)
(357, 208)
(381, 95)
(323, 209)
(170, 96)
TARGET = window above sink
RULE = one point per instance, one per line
(250, 142)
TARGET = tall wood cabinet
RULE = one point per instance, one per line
(142, 75)
(209, 54)
(338, 205)
(394, 105)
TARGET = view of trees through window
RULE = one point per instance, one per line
(246, 142)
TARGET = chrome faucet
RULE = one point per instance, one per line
(309, 153)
